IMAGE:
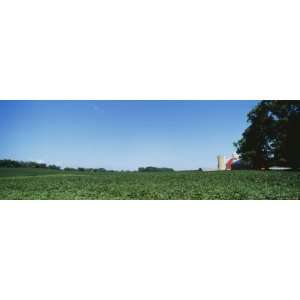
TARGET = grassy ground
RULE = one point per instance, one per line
(52, 184)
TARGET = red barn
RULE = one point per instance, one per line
(229, 163)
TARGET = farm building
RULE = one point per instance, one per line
(233, 162)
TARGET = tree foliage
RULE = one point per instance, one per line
(155, 169)
(9, 163)
(273, 136)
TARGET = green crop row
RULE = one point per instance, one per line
(48, 184)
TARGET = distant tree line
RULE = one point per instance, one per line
(155, 169)
(86, 169)
(273, 136)
(9, 163)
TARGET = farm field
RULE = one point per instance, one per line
(52, 184)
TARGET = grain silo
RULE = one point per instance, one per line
(221, 162)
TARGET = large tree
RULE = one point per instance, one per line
(287, 132)
(273, 135)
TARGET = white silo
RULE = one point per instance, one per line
(221, 162)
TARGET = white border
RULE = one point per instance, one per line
(149, 250)
(161, 49)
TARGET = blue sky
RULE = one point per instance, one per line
(122, 134)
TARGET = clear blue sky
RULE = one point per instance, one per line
(122, 134)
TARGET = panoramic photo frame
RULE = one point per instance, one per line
(150, 150)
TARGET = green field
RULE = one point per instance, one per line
(51, 184)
